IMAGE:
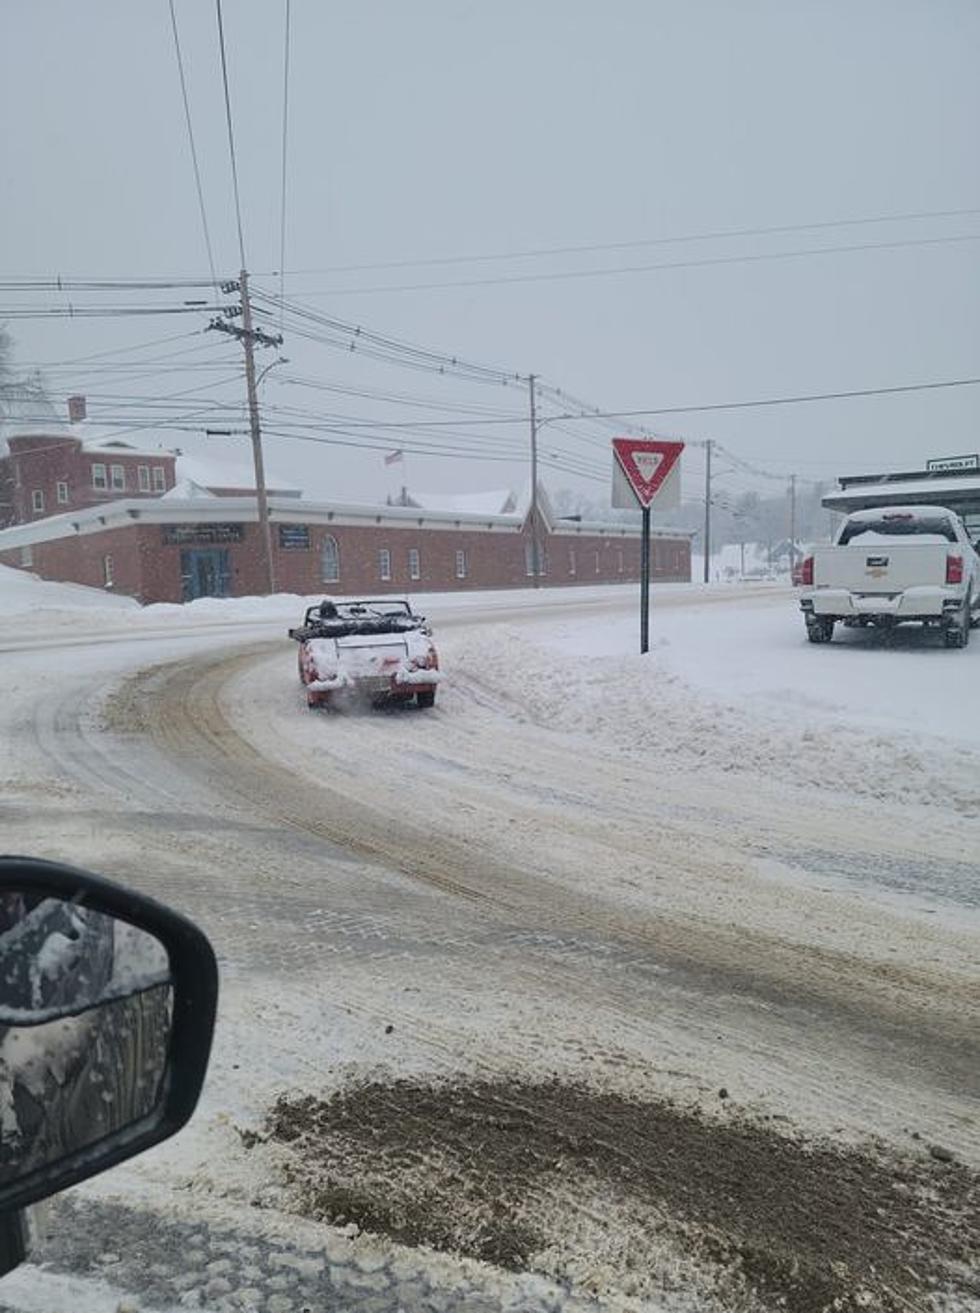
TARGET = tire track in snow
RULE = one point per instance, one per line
(879, 1011)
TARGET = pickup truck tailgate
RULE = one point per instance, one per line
(881, 569)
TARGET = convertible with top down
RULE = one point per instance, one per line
(379, 651)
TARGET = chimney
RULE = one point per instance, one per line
(76, 409)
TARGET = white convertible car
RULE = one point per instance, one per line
(377, 650)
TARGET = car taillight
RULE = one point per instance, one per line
(954, 569)
(806, 572)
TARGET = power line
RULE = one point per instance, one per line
(285, 131)
(103, 312)
(796, 400)
(573, 274)
(64, 284)
(231, 135)
(412, 401)
(118, 351)
(190, 136)
(723, 405)
(595, 247)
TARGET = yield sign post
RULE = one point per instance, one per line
(645, 470)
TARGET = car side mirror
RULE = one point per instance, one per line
(107, 1006)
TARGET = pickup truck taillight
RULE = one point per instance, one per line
(806, 572)
(954, 569)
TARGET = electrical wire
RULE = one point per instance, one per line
(285, 132)
(190, 137)
(708, 262)
(231, 136)
(60, 283)
(803, 398)
(104, 312)
(596, 247)
(117, 351)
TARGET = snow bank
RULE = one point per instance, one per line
(736, 688)
(24, 593)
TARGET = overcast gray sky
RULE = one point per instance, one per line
(433, 130)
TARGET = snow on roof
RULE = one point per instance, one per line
(223, 474)
(918, 512)
(187, 490)
(501, 502)
(107, 443)
(901, 492)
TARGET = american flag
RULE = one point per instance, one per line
(392, 457)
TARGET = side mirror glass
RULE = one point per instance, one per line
(107, 1003)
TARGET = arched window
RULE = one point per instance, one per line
(329, 560)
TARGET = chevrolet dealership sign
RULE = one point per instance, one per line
(953, 463)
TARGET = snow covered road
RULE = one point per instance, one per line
(740, 863)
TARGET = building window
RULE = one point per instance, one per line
(571, 560)
(118, 477)
(99, 479)
(329, 561)
(461, 564)
(159, 479)
(384, 563)
(143, 477)
(598, 563)
(619, 560)
(414, 563)
(27, 555)
(61, 491)
(107, 571)
(37, 501)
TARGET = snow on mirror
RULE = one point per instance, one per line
(85, 1020)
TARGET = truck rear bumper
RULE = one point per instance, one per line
(922, 603)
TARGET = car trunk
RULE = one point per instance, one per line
(372, 656)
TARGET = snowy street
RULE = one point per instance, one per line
(739, 874)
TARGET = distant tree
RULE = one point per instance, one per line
(17, 388)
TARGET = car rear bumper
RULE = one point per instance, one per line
(921, 603)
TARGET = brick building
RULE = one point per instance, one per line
(50, 473)
(176, 548)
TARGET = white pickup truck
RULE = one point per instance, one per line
(892, 565)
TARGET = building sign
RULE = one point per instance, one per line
(178, 534)
(294, 536)
(953, 464)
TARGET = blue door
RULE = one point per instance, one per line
(204, 572)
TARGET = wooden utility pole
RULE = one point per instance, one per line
(792, 523)
(707, 510)
(535, 537)
(248, 342)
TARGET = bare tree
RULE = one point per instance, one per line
(18, 390)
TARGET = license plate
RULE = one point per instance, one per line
(374, 684)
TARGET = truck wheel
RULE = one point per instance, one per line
(958, 634)
(426, 698)
(820, 629)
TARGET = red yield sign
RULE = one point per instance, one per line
(647, 465)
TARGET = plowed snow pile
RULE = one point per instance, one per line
(742, 692)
